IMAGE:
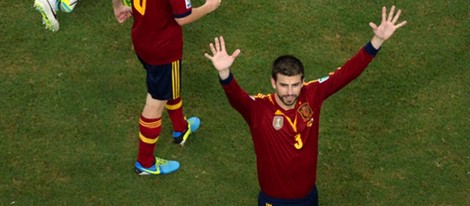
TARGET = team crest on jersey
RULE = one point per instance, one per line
(305, 111)
(188, 4)
(278, 122)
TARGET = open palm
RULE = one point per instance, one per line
(388, 25)
(220, 59)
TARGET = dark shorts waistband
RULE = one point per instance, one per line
(310, 200)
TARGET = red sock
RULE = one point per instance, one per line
(149, 131)
(175, 111)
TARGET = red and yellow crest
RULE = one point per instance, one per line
(305, 111)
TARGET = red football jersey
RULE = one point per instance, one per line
(157, 37)
(286, 142)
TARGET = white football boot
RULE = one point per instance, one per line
(47, 8)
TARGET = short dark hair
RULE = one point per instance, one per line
(287, 65)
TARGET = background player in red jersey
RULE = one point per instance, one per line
(284, 125)
(157, 38)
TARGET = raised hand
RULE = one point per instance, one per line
(220, 59)
(388, 25)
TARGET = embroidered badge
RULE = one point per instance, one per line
(305, 111)
(278, 122)
(188, 4)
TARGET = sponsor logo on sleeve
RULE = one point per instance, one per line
(321, 80)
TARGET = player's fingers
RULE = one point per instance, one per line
(121, 19)
(211, 45)
(222, 43)
(384, 15)
(395, 19)
(373, 25)
(401, 24)
(390, 14)
(217, 44)
(236, 53)
(124, 16)
(208, 56)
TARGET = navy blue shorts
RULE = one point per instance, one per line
(310, 200)
(163, 81)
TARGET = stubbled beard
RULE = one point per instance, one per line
(282, 99)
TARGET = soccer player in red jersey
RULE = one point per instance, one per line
(284, 125)
(157, 37)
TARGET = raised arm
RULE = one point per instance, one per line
(386, 28)
(220, 59)
(357, 64)
(199, 12)
(237, 97)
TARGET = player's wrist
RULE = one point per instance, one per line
(377, 42)
(224, 74)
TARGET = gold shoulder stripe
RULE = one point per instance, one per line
(278, 112)
(261, 96)
(333, 72)
(310, 82)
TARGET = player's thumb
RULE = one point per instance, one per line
(236, 53)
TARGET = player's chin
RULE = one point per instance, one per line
(290, 99)
(289, 102)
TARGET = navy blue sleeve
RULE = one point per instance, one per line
(226, 81)
(370, 49)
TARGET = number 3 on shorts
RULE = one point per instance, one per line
(140, 5)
